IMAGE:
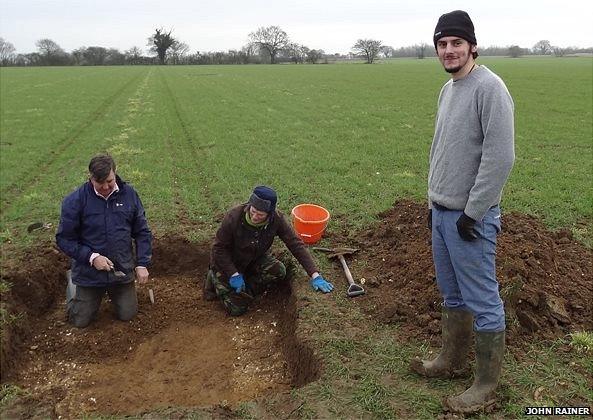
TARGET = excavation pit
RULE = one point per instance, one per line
(181, 351)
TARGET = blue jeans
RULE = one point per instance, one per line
(466, 271)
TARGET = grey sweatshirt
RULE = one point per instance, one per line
(473, 149)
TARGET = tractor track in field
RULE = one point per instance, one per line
(29, 182)
(182, 209)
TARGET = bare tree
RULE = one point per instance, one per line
(133, 55)
(248, 52)
(421, 50)
(559, 51)
(51, 52)
(78, 56)
(95, 56)
(542, 47)
(313, 56)
(368, 48)
(387, 51)
(296, 52)
(515, 51)
(7, 51)
(115, 57)
(272, 39)
(494, 51)
(30, 59)
(160, 43)
(177, 51)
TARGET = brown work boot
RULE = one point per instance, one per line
(237, 304)
(452, 360)
(481, 395)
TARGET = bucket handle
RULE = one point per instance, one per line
(307, 235)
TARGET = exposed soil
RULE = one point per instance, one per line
(545, 277)
(180, 352)
(186, 352)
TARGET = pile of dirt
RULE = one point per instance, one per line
(545, 277)
(36, 280)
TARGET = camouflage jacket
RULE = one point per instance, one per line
(237, 244)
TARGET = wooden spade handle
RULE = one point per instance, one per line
(346, 270)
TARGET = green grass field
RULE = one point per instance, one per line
(353, 138)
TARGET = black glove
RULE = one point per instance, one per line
(465, 227)
(429, 218)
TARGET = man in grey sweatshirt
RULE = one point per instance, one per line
(470, 160)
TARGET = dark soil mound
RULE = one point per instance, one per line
(36, 281)
(545, 277)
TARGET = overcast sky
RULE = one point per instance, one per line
(331, 25)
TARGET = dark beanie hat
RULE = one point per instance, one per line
(264, 199)
(455, 23)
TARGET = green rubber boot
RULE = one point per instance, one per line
(452, 360)
(481, 395)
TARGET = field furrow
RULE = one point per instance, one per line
(190, 140)
(37, 197)
(45, 163)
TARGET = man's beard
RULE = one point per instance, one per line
(453, 69)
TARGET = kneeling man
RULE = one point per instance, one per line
(98, 224)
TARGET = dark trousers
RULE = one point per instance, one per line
(264, 273)
(83, 303)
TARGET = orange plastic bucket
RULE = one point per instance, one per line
(310, 221)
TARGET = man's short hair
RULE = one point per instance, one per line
(101, 166)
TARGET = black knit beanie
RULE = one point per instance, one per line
(455, 23)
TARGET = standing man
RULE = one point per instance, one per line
(98, 223)
(240, 262)
(471, 157)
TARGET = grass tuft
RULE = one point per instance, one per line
(9, 392)
(4, 286)
(374, 397)
(582, 341)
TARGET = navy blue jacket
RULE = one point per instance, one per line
(90, 223)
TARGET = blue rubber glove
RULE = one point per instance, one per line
(319, 283)
(238, 283)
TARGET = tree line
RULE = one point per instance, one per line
(265, 45)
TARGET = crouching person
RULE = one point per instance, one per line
(241, 265)
(98, 223)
